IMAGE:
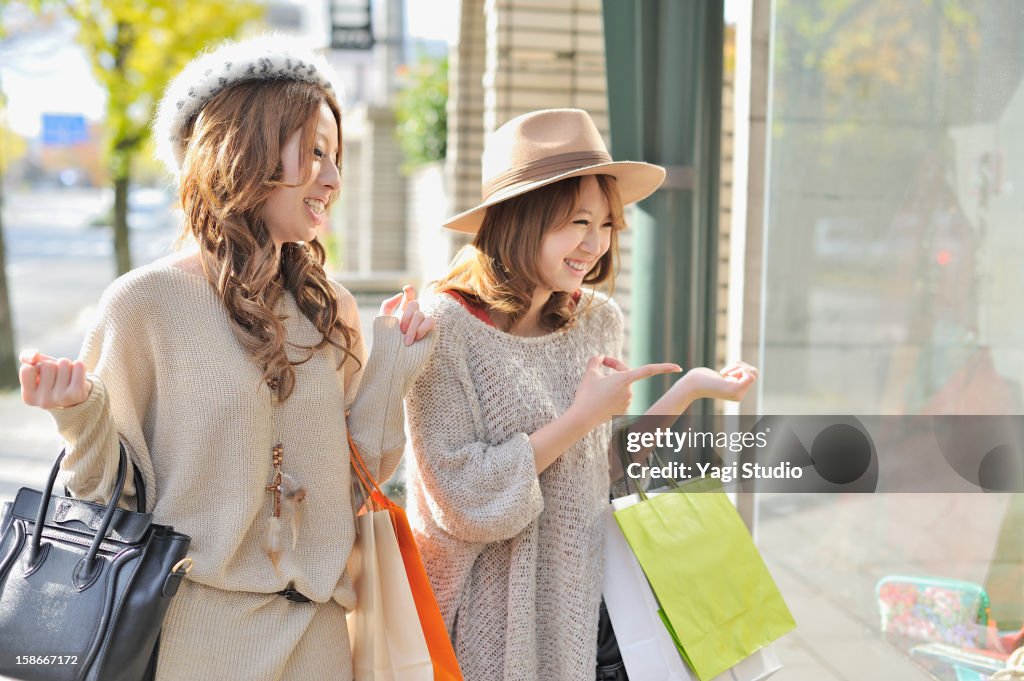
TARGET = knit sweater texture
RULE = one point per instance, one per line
(171, 381)
(515, 559)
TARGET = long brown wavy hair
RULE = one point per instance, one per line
(232, 164)
(499, 269)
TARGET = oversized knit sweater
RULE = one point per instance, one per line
(515, 558)
(173, 383)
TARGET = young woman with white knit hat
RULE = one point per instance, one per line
(510, 419)
(227, 375)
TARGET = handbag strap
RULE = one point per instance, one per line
(140, 489)
(87, 563)
(376, 500)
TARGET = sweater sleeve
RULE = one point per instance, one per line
(476, 491)
(611, 326)
(118, 356)
(354, 362)
(377, 416)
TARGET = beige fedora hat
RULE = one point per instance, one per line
(542, 147)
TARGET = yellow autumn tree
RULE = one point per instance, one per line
(136, 47)
(12, 147)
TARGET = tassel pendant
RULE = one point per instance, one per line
(288, 496)
(272, 534)
(272, 542)
(292, 494)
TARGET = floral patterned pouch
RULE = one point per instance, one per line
(934, 609)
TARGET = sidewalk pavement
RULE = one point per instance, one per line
(827, 553)
(29, 445)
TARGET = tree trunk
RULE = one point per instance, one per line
(122, 154)
(8, 357)
(122, 251)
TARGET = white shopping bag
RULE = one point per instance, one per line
(647, 648)
(387, 639)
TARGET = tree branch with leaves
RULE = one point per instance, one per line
(135, 48)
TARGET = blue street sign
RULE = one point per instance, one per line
(63, 129)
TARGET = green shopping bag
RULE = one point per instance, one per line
(717, 598)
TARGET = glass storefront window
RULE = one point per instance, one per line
(893, 251)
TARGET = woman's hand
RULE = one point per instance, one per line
(603, 394)
(604, 391)
(731, 383)
(52, 383)
(415, 325)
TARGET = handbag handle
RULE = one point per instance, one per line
(140, 490)
(625, 461)
(375, 497)
(88, 563)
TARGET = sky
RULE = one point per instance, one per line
(51, 74)
(47, 74)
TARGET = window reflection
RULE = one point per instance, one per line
(893, 282)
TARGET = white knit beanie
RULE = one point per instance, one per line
(265, 57)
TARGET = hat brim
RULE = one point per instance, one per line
(635, 180)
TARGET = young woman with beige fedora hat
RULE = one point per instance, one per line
(510, 419)
(227, 373)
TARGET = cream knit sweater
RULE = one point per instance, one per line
(196, 417)
(515, 558)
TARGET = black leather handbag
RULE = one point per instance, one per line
(84, 587)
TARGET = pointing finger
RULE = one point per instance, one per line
(648, 370)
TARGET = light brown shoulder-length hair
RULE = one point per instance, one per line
(499, 269)
(232, 164)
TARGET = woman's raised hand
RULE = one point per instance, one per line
(415, 325)
(606, 388)
(731, 383)
(52, 383)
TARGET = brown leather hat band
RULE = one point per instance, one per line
(543, 168)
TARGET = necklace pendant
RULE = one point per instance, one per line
(277, 458)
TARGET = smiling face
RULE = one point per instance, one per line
(294, 213)
(572, 249)
(542, 245)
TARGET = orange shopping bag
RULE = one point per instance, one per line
(442, 655)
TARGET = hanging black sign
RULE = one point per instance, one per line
(351, 25)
